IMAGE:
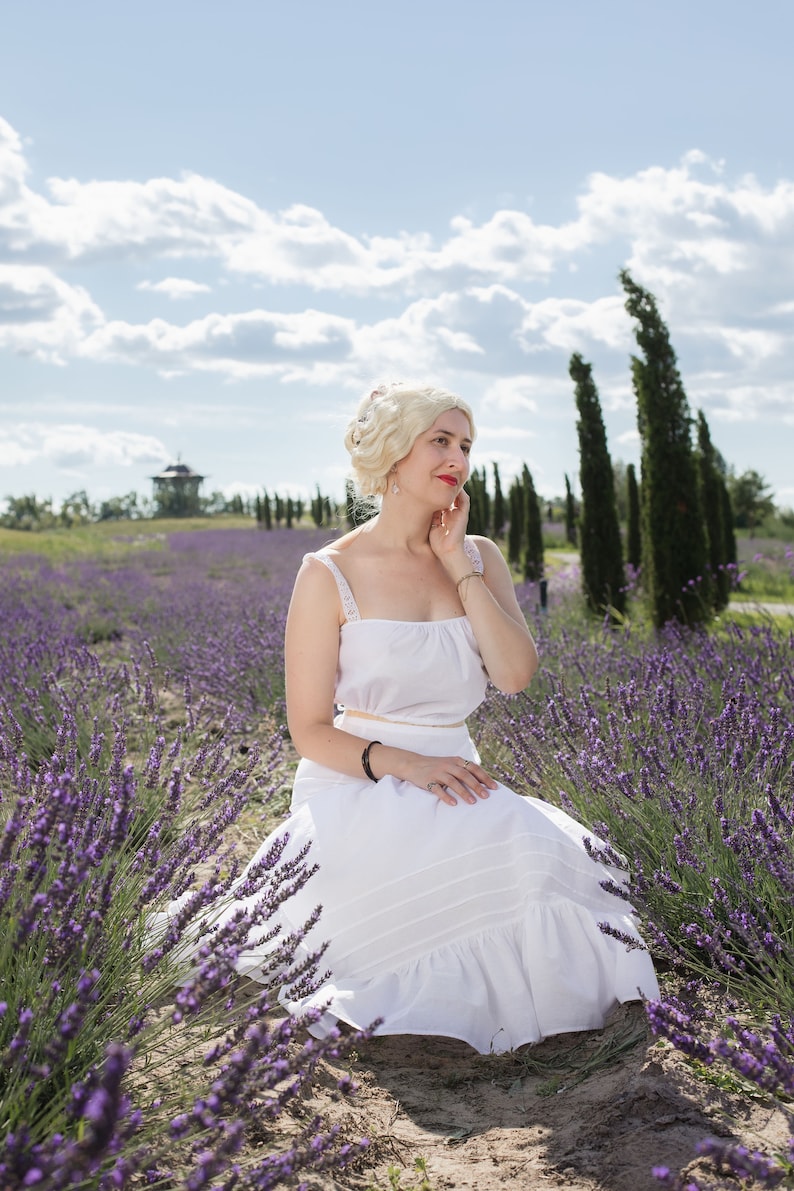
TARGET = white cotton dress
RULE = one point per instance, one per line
(477, 922)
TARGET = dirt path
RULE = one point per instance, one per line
(483, 1123)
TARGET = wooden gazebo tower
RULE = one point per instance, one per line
(176, 491)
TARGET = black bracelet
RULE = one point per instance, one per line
(365, 760)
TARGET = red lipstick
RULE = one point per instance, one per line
(448, 480)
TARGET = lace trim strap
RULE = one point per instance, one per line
(473, 553)
(349, 605)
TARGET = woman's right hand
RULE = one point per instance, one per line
(451, 778)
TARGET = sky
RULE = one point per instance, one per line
(222, 223)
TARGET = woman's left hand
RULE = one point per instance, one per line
(448, 526)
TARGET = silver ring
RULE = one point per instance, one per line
(431, 784)
(465, 764)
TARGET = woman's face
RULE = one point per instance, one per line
(438, 463)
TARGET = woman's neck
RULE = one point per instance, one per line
(402, 527)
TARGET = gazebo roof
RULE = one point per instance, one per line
(178, 471)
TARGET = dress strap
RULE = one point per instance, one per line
(473, 553)
(349, 605)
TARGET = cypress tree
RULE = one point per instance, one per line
(480, 511)
(674, 558)
(711, 503)
(290, 509)
(267, 516)
(633, 533)
(486, 502)
(728, 525)
(474, 487)
(499, 513)
(350, 504)
(570, 513)
(633, 519)
(603, 574)
(533, 529)
(515, 532)
(317, 508)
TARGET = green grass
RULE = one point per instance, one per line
(769, 578)
(103, 540)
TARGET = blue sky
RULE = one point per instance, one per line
(221, 223)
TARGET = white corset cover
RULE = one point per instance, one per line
(473, 922)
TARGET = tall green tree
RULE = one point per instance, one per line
(478, 496)
(267, 510)
(711, 502)
(603, 573)
(317, 508)
(122, 508)
(633, 530)
(674, 556)
(76, 509)
(499, 510)
(570, 513)
(533, 529)
(350, 504)
(515, 531)
(751, 499)
(728, 523)
(28, 512)
(619, 469)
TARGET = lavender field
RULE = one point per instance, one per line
(143, 752)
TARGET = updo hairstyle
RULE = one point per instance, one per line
(387, 424)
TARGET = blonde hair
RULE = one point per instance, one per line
(387, 424)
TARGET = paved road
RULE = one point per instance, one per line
(761, 606)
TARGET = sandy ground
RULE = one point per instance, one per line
(538, 1119)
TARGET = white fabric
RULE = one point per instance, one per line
(474, 922)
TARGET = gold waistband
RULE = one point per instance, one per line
(384, 719)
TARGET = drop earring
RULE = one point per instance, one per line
(395, 487)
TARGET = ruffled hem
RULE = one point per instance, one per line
(555, 972)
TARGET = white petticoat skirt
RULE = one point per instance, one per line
(473, 922)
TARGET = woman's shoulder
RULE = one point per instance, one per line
(356, 542)
(487, 549)
(339, 545)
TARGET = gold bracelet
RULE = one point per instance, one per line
(470, 575)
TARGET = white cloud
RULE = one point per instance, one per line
(574, 325)
(750, 347)
(739, 401)
(41, 315)
(484, 433)
(508, 393)
(71, 445)
(258, 343)
(175, 287)
(684, 227)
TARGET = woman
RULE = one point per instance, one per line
(450, 905)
